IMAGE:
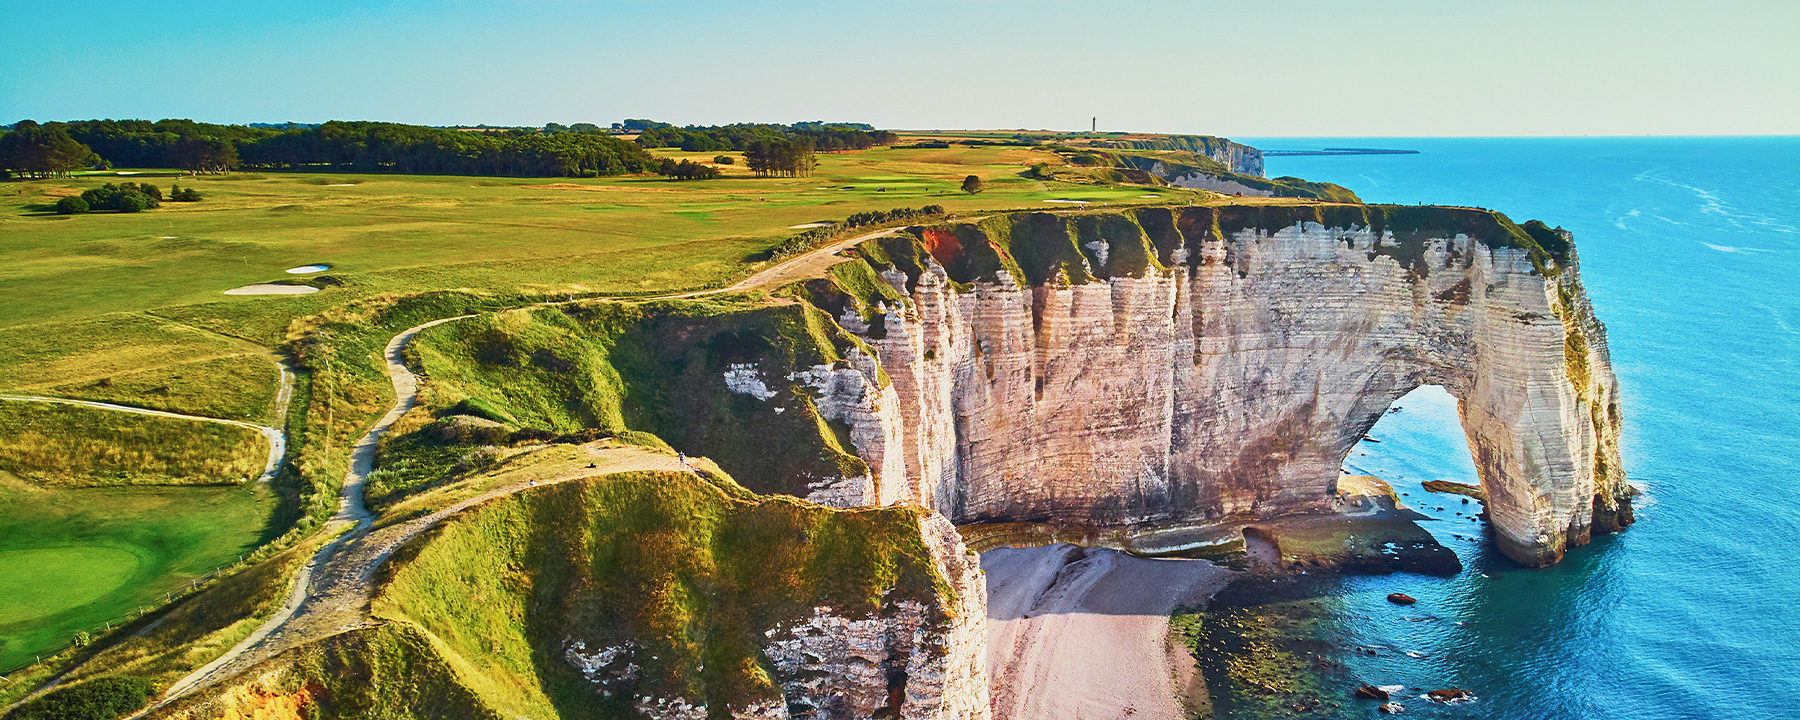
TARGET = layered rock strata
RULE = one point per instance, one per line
(1201, 366)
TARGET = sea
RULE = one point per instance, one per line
(1690, 250)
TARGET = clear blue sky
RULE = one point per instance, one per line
(1250, 67)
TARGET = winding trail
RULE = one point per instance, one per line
(331, 593)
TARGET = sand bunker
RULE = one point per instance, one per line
(803, 226)
(341, 184)
(1071, 202)
(306, 269)
(272, 289)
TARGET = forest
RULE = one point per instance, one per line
(823, 137)
(578, 150)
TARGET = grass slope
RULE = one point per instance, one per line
(689, 572)
(655, 367)
(234, 387)
(71, 446)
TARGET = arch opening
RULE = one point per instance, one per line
(1419, 445)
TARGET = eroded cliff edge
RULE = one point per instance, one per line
(1165, 368)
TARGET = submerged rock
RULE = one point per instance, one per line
(1401, 599)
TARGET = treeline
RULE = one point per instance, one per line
(32, 150)
(577, 150)
(824, 137)
(414, 149)
(334, 146)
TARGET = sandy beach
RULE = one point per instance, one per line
(1083, 633)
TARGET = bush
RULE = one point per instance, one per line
(817, 236)
(102, 699)
(124, 197)
(477, 461)
(178, 193)
(132, 201)
(71, 206)
(724, 160)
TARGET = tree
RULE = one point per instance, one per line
(37, 150)
(783, 158)
(71, 206)
(971, 184)
(197, 154)
(131, 201)
(687, 170)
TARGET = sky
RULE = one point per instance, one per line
(1248, 67)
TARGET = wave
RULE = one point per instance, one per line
(1733, 249)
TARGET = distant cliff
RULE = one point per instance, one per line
(1235, 157)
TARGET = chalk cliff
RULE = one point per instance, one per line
(1191, 367)
(1234, 157)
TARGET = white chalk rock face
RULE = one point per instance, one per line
(1200, 366)
(910, 661)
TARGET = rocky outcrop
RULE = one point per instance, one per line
(912, 661)
(1192, 367)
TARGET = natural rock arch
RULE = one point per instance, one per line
(1195, 367)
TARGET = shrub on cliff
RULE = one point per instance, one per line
(102, 699)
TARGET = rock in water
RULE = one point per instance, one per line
(1450, 695)
(1370, 692)
(1401, 599)
(1392, 708)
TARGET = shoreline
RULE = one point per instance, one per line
(1238, 629)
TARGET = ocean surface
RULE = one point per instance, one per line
(1690, 250)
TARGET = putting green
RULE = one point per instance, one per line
(46, 581)
(77, 559)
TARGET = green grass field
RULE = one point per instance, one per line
(75, 558)
(401, 233)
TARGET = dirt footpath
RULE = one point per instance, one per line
(1082, 633)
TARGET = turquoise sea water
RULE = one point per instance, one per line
(1690, 249)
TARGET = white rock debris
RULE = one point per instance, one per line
(746, 379)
